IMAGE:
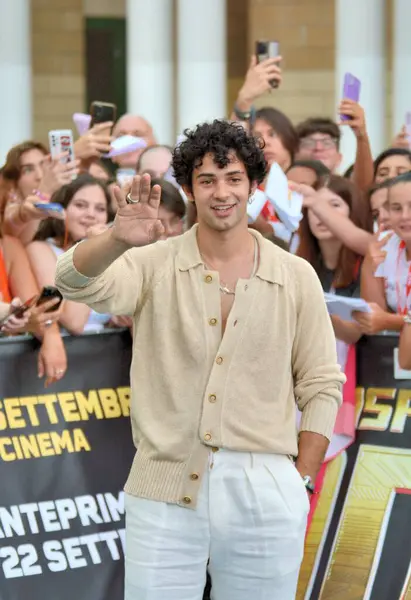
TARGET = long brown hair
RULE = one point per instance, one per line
(348, 261)
(11, 170)
(56, 228)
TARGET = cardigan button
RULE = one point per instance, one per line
(187, 500)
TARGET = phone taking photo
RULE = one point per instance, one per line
(265, 50)
(18, 311)
(351, 90)
(54, 208)
(48, 293)
(102, 112)
(61, 140)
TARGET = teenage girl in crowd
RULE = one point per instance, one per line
(17, 282)
(28, 177)
(386, 273)
(86, 201)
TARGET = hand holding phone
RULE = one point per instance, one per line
(103, 112)
(351, 91)
(18, 309)
(50, 293)
(53, 209)
(265, 50)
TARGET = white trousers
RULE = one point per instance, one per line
(250, 524)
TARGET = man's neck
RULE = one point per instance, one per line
(223, 246)
(330, 252)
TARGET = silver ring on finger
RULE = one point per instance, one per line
(48, 323)
(59, 371)
(130, 200)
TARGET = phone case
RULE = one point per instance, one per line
(50, 206)
(61, 140)
(351, 90)
(265, 50)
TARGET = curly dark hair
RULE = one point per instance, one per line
(219, 138)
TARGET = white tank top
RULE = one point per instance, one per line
(96, 321)
(394, 270)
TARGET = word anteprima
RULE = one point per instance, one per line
(57, 555)
(31, 412)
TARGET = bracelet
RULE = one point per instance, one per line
(44, 197)
(244, 116)
(407, 318)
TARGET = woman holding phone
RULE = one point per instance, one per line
(28, 178)
(17, 282)
(86, 202)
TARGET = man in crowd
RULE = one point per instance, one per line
(214, 380)
(320, 140)
(154, 160)
(137, 127)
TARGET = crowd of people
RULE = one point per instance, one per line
(355, 229)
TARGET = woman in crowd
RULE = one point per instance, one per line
(378, 204)
(386, 274)
(309, 172)
(355, 234)
(86, 201)
(337, 266)
(172, 208)
(391, 163)
(28, 177)
(17, 281)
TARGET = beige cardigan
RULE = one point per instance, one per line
(192, 390)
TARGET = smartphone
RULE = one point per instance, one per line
(18, 311)
(102, 112)
(50, 207)
(61, 140)
(48, 293)
(265, 50)
(351, 90)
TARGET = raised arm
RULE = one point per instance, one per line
(342, 227)
(109, 272)
(364, 164)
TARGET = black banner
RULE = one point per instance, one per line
(65, 453)
(359, 543)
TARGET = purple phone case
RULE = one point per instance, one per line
(351, 90)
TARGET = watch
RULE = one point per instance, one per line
(308, 482)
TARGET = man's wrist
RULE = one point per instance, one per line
(118, 246)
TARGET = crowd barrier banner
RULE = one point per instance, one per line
(359, 543)
(65, 453)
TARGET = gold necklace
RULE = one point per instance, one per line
(224, 289)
